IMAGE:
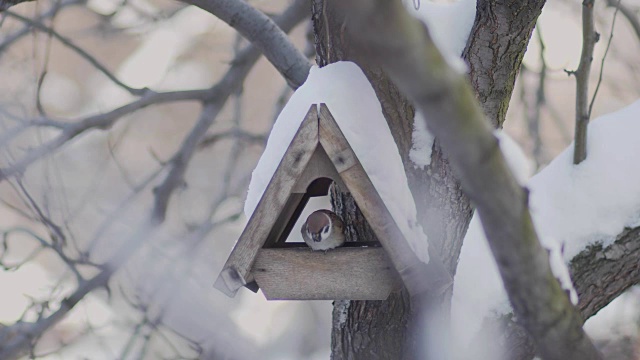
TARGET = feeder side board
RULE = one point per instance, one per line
(320, 166)
(237, 270)
(350, 273)
(288, 216)
(418, 277)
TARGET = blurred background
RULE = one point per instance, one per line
(85, 201)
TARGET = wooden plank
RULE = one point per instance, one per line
(319, 166)
(287, 219)
(236, 271)
(360, 273)
(418, 277)
(353, 244)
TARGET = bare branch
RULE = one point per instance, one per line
(263, 33)
(628, 13)
(237, 134)
(230, 83)
(99, 121)
(589, 39)
(5, 4)
(533, 115)
(541, 306)
(604, 57)
(83, 54)
(600, 274)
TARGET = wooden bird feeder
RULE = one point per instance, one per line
(318, 155)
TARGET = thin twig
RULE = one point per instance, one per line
(604, 57)
(628, 13)
(230, 83)
(80, 51)
(100, 121)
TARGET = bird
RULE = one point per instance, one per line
(323, 230)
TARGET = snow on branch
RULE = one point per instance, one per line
(589, 211)
(540, 304)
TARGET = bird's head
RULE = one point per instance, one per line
(318, 226)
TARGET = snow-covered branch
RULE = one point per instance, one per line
(263, 33)
(382, 28)
(600, 274)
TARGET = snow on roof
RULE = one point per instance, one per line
(572, 207)
(355, 107)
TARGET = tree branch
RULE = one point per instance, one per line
(495, 49)
(263, 33)
(589, 39)
(628, 13)
(5, 4)
(13, 37)
(383, 28)
(604, 58)
(600, 274)
(80, 51)
(229, 84)
(99, 121)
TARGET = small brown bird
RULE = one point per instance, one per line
(323, 230)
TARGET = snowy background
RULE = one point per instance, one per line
(92, 176)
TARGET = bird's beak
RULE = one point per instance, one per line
(316, 237)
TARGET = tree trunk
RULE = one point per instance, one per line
(383, 329)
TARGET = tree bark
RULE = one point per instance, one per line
(599, 273)
(372, 330)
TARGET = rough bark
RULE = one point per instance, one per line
(494, 52)
(383, 28)
(445, 211)
(366, 329)
(380, 329)
(600, 274)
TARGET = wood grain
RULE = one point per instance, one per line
(236, 271)
(319, 166)
(298, 273)
(418, 277)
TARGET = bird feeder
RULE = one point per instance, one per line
(318, 155)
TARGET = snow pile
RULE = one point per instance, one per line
(572, 207)
(449, 25)
(354, 105)
(422, 142)
(579, 205)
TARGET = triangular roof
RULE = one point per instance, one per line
(319, 136)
